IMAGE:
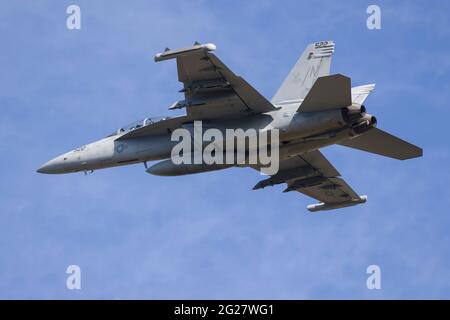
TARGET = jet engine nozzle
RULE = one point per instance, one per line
(365, 123)
(353, 112)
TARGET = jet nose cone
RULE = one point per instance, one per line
(41, 169)
(52, 166)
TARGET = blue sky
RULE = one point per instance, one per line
(138, 236)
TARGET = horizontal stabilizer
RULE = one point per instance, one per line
(327, 93)
(379, 142)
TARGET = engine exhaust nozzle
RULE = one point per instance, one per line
(367, 122)
(353, 113)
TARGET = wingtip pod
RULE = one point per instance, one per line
(329, 206)
(170, 54)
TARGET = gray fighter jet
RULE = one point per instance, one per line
(312, 109)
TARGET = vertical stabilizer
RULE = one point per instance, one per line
(360, 93)
(314, 62)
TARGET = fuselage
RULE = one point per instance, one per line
(298, 132)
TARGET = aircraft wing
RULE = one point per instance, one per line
(313, 175)
(211, 90)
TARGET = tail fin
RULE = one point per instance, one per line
(360, 93)
(314, 62)
(379, 142)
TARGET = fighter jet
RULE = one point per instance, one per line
(312, 109)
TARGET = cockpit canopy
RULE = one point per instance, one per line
(138, 124)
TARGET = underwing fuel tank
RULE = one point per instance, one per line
(329, 206)
(168, 168)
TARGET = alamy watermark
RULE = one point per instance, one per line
(73, 281)
(374, 279)
(73, 21)
(250, 147)
(373, 21)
